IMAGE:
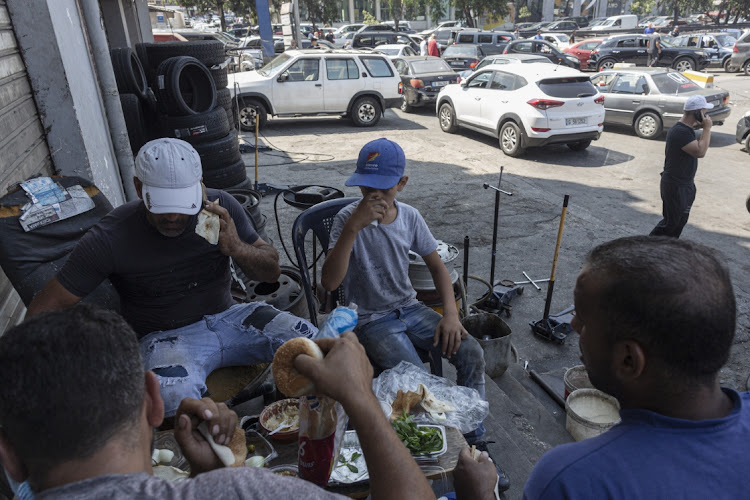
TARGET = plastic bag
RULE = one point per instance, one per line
(322, 425)
(471, 409)
(340, 320)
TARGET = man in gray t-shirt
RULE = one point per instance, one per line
(654, 48)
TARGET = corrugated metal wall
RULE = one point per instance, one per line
(23, 147)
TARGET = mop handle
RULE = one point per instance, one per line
(257, 121)
(494, 229)
(551, 284)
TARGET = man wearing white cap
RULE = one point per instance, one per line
(680, 163)
(174, 284)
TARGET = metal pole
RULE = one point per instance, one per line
(494, 230)
(551, 284)
(466, 262)
(257, 120)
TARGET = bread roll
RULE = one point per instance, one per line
(288, 380)
(232, 455)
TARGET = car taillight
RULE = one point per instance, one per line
(544, 103)
(473, 64)
(595, 51)
(458, 80)
(416, 83)
(735, 49)
(726, 100)
(400, 87)
(536, 129)
(599, 100)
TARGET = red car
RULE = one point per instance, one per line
(582, 49)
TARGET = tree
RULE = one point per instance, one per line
(472, 8)
(206, 6)
(641, 7)
(398, 9)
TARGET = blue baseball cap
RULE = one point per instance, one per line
(380, 165)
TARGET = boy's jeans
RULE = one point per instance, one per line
(392, 338)
(244, 334)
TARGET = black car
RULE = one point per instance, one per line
(531, 30)
(718, 46)
(542, 48)
(371, 39)
(423, 78)
(463, 56)
(581, 21)
(633, 49)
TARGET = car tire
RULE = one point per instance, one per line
(405, 107)
(219, 153)
(510, 140)
(222, 178)
(683, 64)
(747, 146)
(605, 64)
(185, 87)
(365, 112)
(447, 118)
(747, 68)
(129, 74)
(728, 67)
(221, 78)
(249, 110)
(648, 125)
(134, 121)
(209, 52)
(580, 145)
(203, 127)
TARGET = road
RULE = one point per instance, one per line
(613, 188)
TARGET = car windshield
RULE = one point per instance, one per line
(573, 86)
(430, 66)
(725, 40)
(388, 52)
(536, 60)
(673, 83)
(274, 66)
(460, 51)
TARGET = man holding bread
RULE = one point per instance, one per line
(66, 431)
(168, 256)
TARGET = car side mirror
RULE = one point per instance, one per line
(283, 77)
(464, 83)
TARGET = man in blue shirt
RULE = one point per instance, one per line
(538, 35)
(656, 318)
(649, 29)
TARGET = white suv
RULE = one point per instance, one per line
(525, 105)
(315, 82)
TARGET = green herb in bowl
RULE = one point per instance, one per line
(418, 440)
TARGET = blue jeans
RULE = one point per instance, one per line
(393, 338)
(244, 334)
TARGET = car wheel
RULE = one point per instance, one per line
(747, 146)
(447, 119)
(648, 125)
(684, 64)
(727, 67)
(747, 68)
(510, 140)
(365, 112)
(605, 64)
(405, 106)
(250, 109)
(580, 145)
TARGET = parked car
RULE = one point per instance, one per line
(376, 27)
(581, 21)
(531, 30)
(743, 131)
(718, 46)
(740, 59)
(396, 50)
(562, 26)
(313, 82)
(652, 99)
(423, 78)
(628, 22)
(464, 56)
(634, 49)
(371, 39)
(582, 49)
(525, 105)
(559, 40)
(505, 59)
(492, 42)
(347, 28)
(523, 26)
(344, 39)
(542, 48)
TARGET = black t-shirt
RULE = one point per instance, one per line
(652, 48)
(164, 283)
(679, 166)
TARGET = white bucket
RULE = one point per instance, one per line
(590, 412)
(576, 378)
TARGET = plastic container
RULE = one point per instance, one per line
(590, 412)
(576, 378)
(494, 335)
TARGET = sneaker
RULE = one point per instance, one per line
(503, 483)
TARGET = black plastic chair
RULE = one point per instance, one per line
(319, 219)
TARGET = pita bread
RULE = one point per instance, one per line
(208, 226)
(432, 405)
(404, 402)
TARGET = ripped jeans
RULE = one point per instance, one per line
(244, 334)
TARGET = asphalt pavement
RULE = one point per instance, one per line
(613, 188)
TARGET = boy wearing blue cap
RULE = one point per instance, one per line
(369, 255)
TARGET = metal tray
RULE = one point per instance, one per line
(342, 474)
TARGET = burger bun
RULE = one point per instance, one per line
(288, 380)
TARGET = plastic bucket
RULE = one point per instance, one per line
(576, 378)
(494, 335)
(590, 412)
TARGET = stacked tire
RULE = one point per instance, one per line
(194, 105)
(136, 98)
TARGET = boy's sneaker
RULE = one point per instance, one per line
(503, 483)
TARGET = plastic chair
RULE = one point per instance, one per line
(319, 219)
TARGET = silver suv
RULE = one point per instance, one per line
(360, 85)
(740, 59)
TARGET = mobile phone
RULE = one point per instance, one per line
(698, 114)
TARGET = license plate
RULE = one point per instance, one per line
(439, 84)
(575, 121)
(456, 63)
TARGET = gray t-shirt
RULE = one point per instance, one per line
(652, 48)
(224, 484)
(378, 276)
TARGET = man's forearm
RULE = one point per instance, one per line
(337, 262)
(393, 472)
(704, 142)
(258, 262)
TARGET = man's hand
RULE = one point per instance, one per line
(449, 334)
(221, 423)
(707, 122)
(345, 374)
(371, 208)
(230, 243)
(474, 479)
